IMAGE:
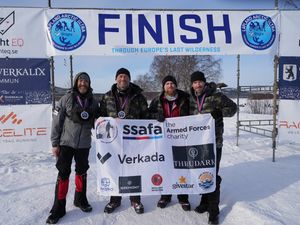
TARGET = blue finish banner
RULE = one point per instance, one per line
(289, 78)
(24, 81)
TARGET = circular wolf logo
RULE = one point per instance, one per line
(67, 31)
(258, 31)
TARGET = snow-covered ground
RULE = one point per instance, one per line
(254, 189)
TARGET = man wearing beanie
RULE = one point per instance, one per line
(125, 101)
(73, 119)
(171, 102)
(205, 99)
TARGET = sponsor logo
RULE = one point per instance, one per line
(11, 117)
(206, 180)
(105, 184)
(106, 130)
(131, 184)
(134, 132)
(289, 124)
(104, 158)
(157, 180)
(289, 72)
(7, 22)
(258, 31)
(67, 31)
(194, 156)
(182, 184)
(141, 158)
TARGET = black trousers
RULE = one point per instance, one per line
(117, 199)
(65, 158)
(181, 198)
(212, 199)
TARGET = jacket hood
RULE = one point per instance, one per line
(76, 79)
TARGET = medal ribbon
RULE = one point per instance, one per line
(123, 105)
(80, 102)
(200, 104)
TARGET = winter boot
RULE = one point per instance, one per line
(164, 201)
(203, 206)
(213, 217)
(111, 206)
(59, 207)
(138, 207)
(80, 199)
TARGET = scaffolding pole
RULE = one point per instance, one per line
(52, 81)
(275, 87)
(238, 102)
(71, 70)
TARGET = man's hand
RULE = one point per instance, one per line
(55, 151)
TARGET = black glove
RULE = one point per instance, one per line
(160, 117)
(216, 114)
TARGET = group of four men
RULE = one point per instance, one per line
(76, 111)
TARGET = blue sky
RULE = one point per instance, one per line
(255, 69)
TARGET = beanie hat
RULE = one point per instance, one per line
(169, 78)
(198, 76)
(84, 76)
(123, 71)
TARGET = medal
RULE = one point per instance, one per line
(121, 114)
(84, 115)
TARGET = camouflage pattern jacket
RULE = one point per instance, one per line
(216, 103)
(156, 105)
(136, 107)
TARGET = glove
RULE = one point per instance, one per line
(216, 114)
(160, 117)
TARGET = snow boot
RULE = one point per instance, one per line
(80, 199)
(164, 201)
(213, 218)
(111, 206)
(138, 207)
(59, 207)
(186, 206)
(203, 206)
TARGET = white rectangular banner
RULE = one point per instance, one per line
(147, 157)
(25, 128)
(290, 33)
(132, 32)
(22, 33)
(288, 121)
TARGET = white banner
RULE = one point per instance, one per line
(290, 33)
(146, 157)
(288, 121)
(25, 128)
(129, 32)
(22, 33)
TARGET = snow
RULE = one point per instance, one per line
(254, 189)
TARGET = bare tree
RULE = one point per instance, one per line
(147, 83)
(181, 67)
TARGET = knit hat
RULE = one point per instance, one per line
(169, 78)
(198, 76)
(84, 76)
(123, 71)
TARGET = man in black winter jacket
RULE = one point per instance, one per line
(73, 119)
(205, 99)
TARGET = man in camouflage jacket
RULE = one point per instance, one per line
(125, 101)
(205, 99)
